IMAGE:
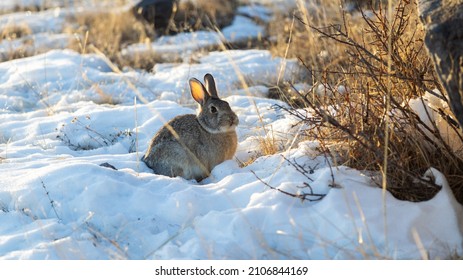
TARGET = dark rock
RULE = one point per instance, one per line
(443, 20)
(156, 12)
(107, 165)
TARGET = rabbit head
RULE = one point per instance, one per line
(215, 114)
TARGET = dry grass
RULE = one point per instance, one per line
(109, 33)
(295, 39)
(266, 146)
(269, 145)
(12, 33)
(379, 60)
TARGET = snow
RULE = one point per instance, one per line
(242, 29)
(183, 46)
(63, 114)
(44, 21)
(260, 12)
(34, 44)
(173, 48)
(428, 113)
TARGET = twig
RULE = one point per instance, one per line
(303, 196)
(3, 207)
(301, 169)
(98, 234)
(52, 202)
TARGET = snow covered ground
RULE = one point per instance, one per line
(63, 114)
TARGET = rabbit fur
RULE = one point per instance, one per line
(190, 145)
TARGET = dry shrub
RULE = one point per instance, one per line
(109, 33)
(293, 36)
(364, 98)
(11, 33)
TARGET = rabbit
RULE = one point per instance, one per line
(190, 146)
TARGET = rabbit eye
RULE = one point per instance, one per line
(213, 109)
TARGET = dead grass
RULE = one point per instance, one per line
(109, 33)
(266, 146)
(370, 67)
(11, 33)
(292, 38)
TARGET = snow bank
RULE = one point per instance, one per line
(58, 202)
(185, 46)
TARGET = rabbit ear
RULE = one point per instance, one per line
(198, 91)
(210, 85)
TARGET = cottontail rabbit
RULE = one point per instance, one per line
(190, 146)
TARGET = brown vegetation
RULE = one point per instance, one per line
(374, 69)
(110, 32)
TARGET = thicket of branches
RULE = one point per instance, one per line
(367, 97)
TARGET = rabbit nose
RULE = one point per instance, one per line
(234, 120)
